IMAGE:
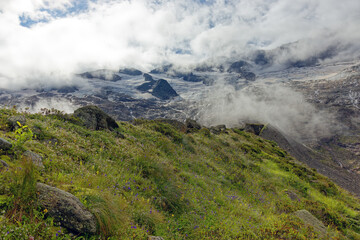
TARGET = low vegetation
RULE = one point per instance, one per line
(150, 179)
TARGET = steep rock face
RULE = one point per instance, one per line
(66, 209)
(163, 90)
(94, 118)
(314, 159)
(254, 128)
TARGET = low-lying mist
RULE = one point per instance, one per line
(277, 105)
(60, 104)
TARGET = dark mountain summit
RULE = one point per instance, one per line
(163, 90)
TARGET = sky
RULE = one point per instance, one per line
(47, 41)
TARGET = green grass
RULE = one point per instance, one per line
(151, 179)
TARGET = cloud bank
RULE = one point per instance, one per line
(46, 41)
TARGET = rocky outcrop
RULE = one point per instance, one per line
(5, 145)
(94, 118)
(312, 221)
(162, 69)
(13, 121)
(254, 128)
(217, 129)
(239, 67)
(175, 123)
(192, 126)
(250, 76)
(145, 87)
(189, 77)
(103, 74)
(148, 77)
(36, 159)
(130, 71)
(243, 68)
(68, 89)
(66, 209)
(163, 90)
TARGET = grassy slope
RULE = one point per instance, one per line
(159, 181)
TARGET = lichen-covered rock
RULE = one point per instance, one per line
(66, 209)
(94, 118)
(310, 220)
(5, 145)
(35, 158)
(13, 121)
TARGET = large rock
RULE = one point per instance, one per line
(13, 121)
(312, 221)
(66, 209)
(35, 158)
(5, 145)
(94, 118)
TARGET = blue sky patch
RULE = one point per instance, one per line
(76, 7)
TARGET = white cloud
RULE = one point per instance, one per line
(142, 33)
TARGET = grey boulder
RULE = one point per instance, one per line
(66, 209)
(35, 158)
(5, 145)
